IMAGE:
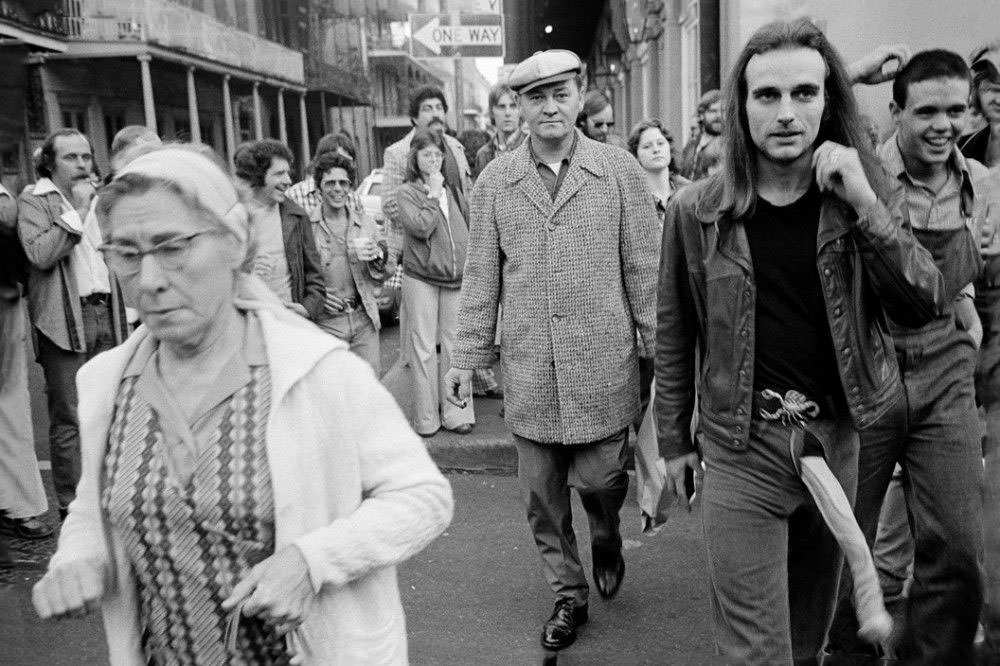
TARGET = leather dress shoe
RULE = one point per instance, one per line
(560, 631)
(608, 573)
(463, 429)
(24, 528)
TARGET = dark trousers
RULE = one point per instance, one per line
(933, 432)
(60, 367)
(773, 565)
(546, 473)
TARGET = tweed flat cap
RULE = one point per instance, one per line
(542, 68)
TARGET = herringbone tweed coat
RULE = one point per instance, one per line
(577, 281)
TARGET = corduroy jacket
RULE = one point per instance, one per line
(869, 266)
(577, 281)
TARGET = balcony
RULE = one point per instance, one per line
(36, 23)
(174, 26)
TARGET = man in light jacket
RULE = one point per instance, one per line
(75, 304)
(562, 229)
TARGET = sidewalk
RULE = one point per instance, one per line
(488, 448)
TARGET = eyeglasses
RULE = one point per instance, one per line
(331, 183)
(170, 254)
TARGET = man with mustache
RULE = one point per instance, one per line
(428, 109)
(74, 302)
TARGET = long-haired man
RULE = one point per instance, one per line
(780, 270)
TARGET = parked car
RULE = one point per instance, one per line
(370, 196)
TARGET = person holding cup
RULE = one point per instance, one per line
(354, 259)
(434, 215)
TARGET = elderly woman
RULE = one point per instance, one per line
(435, 220)
(248, 485)
(652, 144)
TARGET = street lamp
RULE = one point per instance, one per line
(613, 53)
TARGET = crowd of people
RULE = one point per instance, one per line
(810, 314)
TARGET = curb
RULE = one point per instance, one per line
(485, 455)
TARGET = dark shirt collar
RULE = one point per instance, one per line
(565, 161)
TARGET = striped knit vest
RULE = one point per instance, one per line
(188, 545)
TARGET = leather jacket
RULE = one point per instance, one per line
(869, 266)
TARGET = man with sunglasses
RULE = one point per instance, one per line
(74, 301)
(597, 118)
(353, 260)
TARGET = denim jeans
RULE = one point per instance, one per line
(60, 367)
(773, 565)
(356, 329)
(933, 431)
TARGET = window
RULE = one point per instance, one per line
(75, 119)
(113, 123)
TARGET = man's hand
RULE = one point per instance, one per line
(277, 590)
(870, 69)
(838, 170)
(967, 319)
(333, 304)
(677, 469)
(458, 383)
(70, 590)
(366, 249)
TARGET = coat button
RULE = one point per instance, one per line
(827, 272)
(836, 312)
(846, 351)
(556, 317)
(737, 444)
(855, 390)
(744, 333)
(740, 411)
(739, 430)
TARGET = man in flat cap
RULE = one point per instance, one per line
(564, 237)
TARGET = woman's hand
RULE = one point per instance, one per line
(69, 590)
(435, 183)
(277, 590)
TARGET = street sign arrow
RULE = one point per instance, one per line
(458, 34)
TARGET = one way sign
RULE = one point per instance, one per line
(456, 35)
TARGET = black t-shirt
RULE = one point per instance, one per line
(794, 347)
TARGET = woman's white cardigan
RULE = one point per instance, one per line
(353, 486)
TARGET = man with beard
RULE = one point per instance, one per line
(778, 272)
(701, 155)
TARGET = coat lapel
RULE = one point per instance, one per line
(582, 166)
(733, 242)
(287, 224)
(524, 174)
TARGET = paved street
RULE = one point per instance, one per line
(476, 595)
